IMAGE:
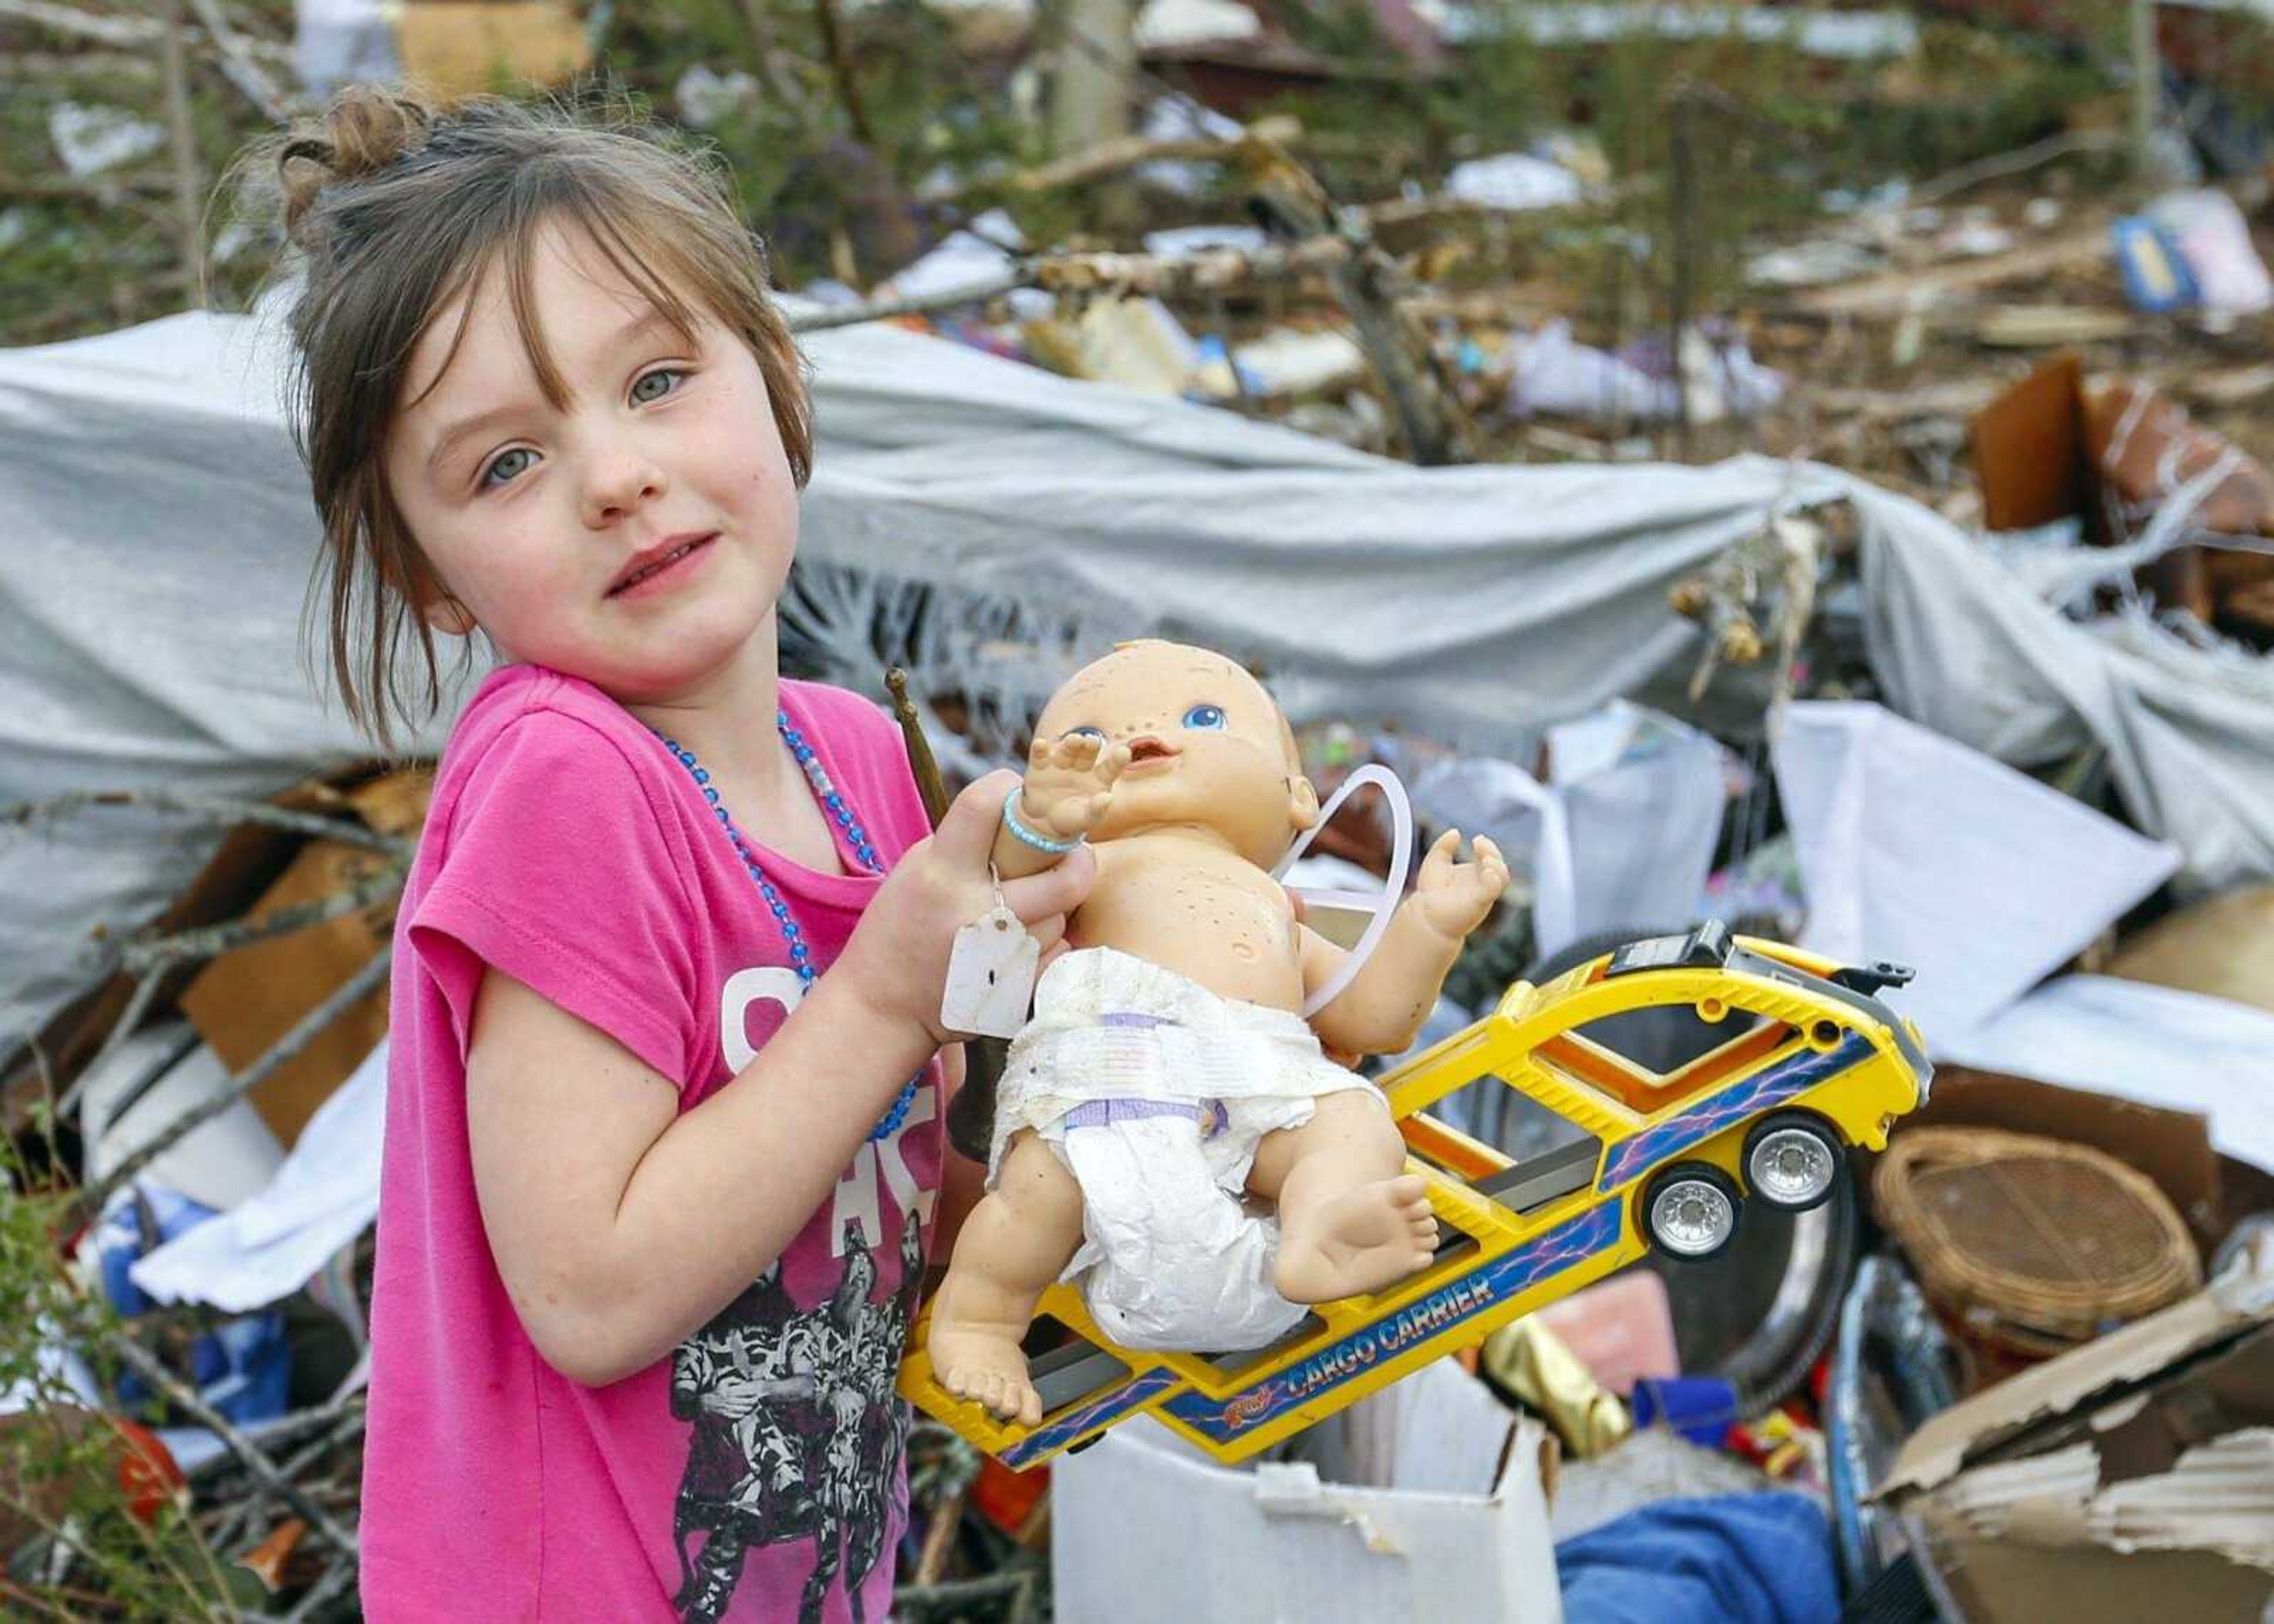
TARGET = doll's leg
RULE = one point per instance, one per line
(1349, 1220)
(1014, 1244)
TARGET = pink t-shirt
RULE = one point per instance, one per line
(756, 1473)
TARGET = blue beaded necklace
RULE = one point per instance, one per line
(800, 956)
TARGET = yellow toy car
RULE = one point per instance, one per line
(1813, 1064)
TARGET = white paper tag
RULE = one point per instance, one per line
(990, 977)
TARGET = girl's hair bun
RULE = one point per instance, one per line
(365, 131)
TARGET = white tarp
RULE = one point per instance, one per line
(158, 538)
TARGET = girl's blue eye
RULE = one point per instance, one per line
(666, 378)
(1094, 732)
(508, 465)
(1206, 715)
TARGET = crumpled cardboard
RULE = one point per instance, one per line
(2108, 1483)
(247, 998)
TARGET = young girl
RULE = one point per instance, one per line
(656, 1186)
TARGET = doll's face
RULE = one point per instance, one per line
(1209, 747)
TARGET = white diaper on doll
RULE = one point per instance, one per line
(1156, 1092)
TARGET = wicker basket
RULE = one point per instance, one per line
(2034, 1244)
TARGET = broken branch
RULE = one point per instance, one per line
(344, 998)
(255, 1459)
(213, 808)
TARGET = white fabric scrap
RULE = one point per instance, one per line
(324, 1195)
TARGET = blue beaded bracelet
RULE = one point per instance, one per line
(1041, 843)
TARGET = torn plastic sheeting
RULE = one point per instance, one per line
(158, 505)
(1917, 849)
(1623, 838)
(1963, 647)
(324, 1195)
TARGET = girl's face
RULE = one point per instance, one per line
(638, 533)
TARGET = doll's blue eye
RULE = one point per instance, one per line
(1094, 732)
(1206, 716)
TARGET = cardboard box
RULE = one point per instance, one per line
(1146, 1528)
(2132, 1477)
(244, 1000)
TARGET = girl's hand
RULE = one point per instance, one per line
(898, 955)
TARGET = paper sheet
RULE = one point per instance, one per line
(1917, 849)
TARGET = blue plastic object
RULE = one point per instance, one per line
(244, 1367)
(1702, 1408)
(2155, 274)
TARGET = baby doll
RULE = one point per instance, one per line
(1167, 1071)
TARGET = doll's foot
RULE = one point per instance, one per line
(1360, 1241)
(986, 1368)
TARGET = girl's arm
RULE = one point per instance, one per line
(622, 1224)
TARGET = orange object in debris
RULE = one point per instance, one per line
(1006, 1498)
(266, 1561)
(148, 1473)
(2029, 449)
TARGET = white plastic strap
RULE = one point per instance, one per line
(1383, 906)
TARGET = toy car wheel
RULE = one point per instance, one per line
(1792, 1162)
(1691, 1210)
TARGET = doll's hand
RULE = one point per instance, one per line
(1069, 783)
(1455, 897)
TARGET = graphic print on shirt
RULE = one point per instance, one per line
(878, 1167)
(796, 1433)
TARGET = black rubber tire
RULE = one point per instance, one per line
(1704, 1172)
(1808, 1124)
